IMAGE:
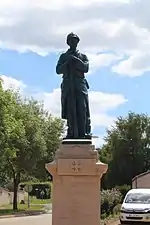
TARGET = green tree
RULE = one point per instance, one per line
(25, 140)
(3, 173)
(127, 149)
(53, 129)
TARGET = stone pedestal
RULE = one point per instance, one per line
(76, 175)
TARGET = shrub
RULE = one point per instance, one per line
(40, 190)
(123, 189)
(109, 199)
(116, 209)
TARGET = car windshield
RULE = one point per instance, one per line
(139, 198)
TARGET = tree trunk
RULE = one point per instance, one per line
(16, 183)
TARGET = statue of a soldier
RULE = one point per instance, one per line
(74, 90)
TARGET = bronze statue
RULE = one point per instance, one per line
(74, 90)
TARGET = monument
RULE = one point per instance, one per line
(74, 90)
(76, 169)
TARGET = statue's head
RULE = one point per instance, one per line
(73, 40)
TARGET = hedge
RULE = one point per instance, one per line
(40, 190)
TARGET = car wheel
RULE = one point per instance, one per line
(122, 222)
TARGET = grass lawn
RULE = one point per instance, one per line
(22, 208)
(34, 200)
(35, 205)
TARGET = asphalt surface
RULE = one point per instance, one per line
(45, 219)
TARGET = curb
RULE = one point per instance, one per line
(36, 213)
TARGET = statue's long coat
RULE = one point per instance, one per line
(80, 83)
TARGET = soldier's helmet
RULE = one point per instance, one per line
(72, 35)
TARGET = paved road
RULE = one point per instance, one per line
(37, 220)
(30, 220)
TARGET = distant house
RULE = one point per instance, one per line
(22, 195)
(142, 180)
(6, 197)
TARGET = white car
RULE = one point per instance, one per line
(136, 206)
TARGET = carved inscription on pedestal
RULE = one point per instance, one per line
(76, 166)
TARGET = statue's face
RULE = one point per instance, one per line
(73, 42)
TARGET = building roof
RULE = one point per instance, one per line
(140, 175)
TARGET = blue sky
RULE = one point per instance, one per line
(116, 42)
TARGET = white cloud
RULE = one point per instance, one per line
(11, 83)
(101, 60)
(51, 101)
(135, 65)
(101, 119)
(121, 26)
(100, 103)
(98, 142)
(105, 101)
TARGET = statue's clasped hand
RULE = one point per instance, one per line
(72, 58)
